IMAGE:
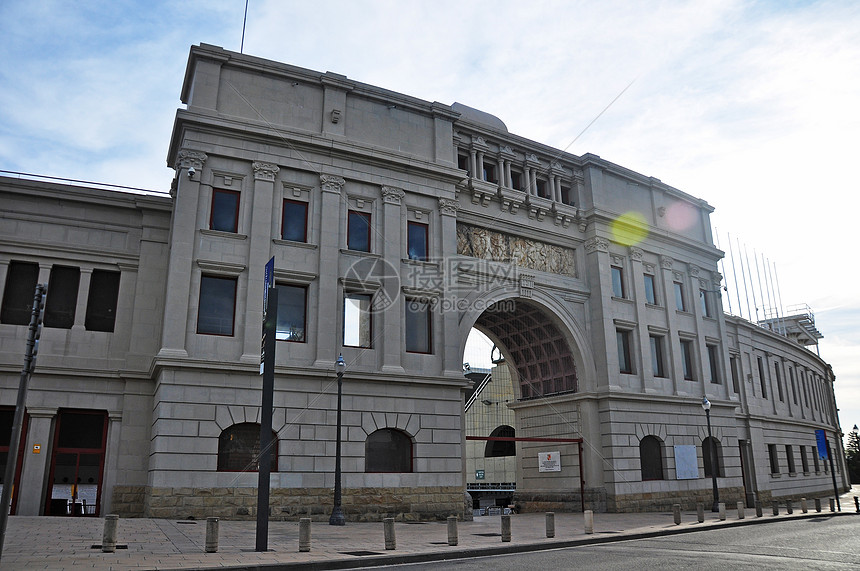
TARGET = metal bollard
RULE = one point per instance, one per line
(857, 504)
(832, 504)
(304, 534)
(676, 511)
(550, 524)
(775, 507)
(721, 507)
(109, 537)
(741, 514)
(388, 530)
(506, 528)
(758, 508)
(211, 535)
(818, 505)
(789, 507)
(803, 505)
(700, 512)
(452, 530)
(589, 521)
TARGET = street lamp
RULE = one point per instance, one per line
(706, 404)
(337, 512)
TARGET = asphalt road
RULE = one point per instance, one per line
(821, 543)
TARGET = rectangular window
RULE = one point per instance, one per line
(356, 320)
(217, 306)
(793, 385)
(294, 221)
(815, 459)
(735, 374)
(418, 326)
(761, 378)
(463, 162)
(62, 297)
(789, 454)
(687, 358)
(804, 461)
(516, 180)
(541, 188)
(650, 290)
(617, 282)
(706, 304)
(101, 301)
(624, 361)
(358, 231)
(292, 313)
(774, 458)
(657, 358)
(490, 172)
(19, 293)
(679, 297)
(225, 210)
(714, 363)
(566, 196)
(416, 241)
(778, 382)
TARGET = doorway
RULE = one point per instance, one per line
(77, 463)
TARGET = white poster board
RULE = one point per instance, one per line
(686, 462)
(549, 461)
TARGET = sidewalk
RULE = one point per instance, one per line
(66, 543)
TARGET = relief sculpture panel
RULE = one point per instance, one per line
(525, 253)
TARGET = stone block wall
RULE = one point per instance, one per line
(663, 501)
(128, 501)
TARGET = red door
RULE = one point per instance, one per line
(77, 463)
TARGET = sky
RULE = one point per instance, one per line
(752, 106)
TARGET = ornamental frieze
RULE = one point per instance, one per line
(523, 252)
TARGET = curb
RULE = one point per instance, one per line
(383, 560)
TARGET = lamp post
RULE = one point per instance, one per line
(706, 404)
(337, 511)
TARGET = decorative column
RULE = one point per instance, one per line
(449, 336)
(260, 236)
(392, 252)
(34, 471)
(181, 259)
(329, 302)
(83, 295)
(675, 368)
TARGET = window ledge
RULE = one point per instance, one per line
(653, 305)
(360, 253)
(777, 475)
(424, 263)
(792, 474)
(222, 234)
(280, 242)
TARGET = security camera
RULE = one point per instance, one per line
(191, 172)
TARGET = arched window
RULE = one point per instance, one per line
(388, 450)
(496, 448)
(239, 449)
(706, 456)
(651, 458)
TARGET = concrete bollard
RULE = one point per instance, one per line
(789, 507)
(832, 504)
(721, 508)
(506, 528)
(109, 536)
(741, 513)
(818, 505)
(803, 505)
(589, 521)
(700, 512)
(453, 538)
(758, 508)
(304, 534)
(388, 530)
(211, 535)
(550, 524)
(676, 511)
(775, 508)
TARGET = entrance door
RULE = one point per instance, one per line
(7, 418)
(77, 464)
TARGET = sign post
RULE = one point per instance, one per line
(267, 369)
(824, 452)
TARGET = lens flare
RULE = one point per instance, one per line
(629, 229)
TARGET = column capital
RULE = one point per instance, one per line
(596, 244)
(666, 262)
(265, 171)
(636, 253)
(448, 207)
(331, 183)
(186, 158)
(392, 195)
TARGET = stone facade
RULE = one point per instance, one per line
(588, 270)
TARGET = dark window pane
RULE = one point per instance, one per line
(358, 232)
(81, 430)
(225, 210)
(617, 282)
(388, 450)
(295, 222)
(679, 297)
(624, 361)
(651, 458)
(417, 326)
(7, 417)
(19, 292)
(217, 306)
(707, 458)
(62, 297)
(239, 449)
(650, 293)
(687, 358)
(416, 241)
(291, 313)
(101, 302)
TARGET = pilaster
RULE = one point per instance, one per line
(329, 337)
(392, 252)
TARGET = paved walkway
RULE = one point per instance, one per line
(67, 543)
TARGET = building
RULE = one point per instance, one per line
(396, 225)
